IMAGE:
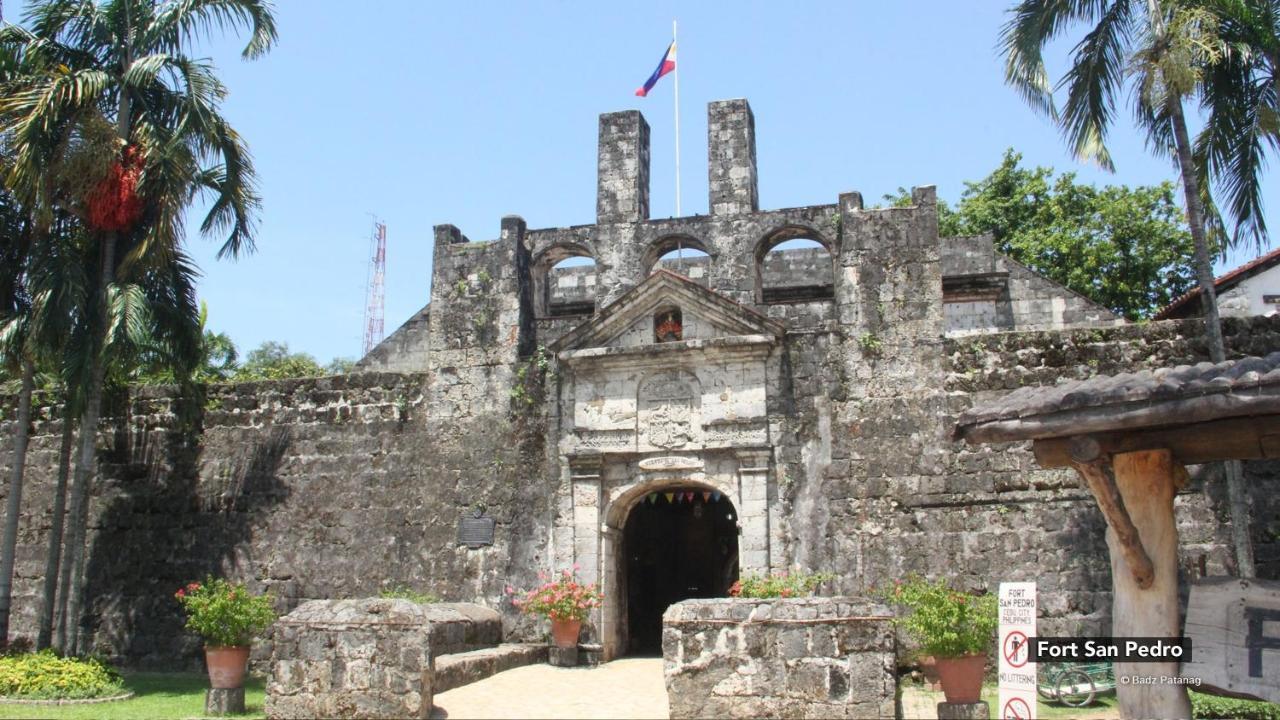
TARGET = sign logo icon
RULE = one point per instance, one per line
(1016, 709)
(1016, 649)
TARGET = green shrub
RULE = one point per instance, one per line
(404, 593)
(796, 584)
(225, 615)
(946, 622)
(1213, 706)
(45, 676)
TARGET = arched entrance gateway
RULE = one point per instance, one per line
(666, 454)
(677, 542)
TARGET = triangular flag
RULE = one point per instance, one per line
(670, 497)
(653, 497)
(689, 496)
(706, 496)
(716, 495)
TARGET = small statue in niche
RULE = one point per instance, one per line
(667, 326)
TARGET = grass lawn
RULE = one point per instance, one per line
(162, 696)
(1103, 707)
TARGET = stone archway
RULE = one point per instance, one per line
(621, 556)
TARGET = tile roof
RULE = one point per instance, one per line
(1223, 282)
(1150, 398)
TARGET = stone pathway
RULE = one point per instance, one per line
(629, 688)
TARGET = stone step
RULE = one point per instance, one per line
(458, 669)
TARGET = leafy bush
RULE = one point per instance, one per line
(45, 676)
(1213, 706)
(561, 599)
(796, 584)
(946, 622)
(404, 593)
(225, 615)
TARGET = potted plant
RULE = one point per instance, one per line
(565, 601)
(954, 627)
(227, 617)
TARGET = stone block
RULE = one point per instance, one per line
(220, 701)
(563, 657)
(771, 667)
(352, 658)
(963, 711)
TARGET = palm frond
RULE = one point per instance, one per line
(1095, 78)
(181, 21)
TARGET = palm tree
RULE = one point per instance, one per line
(1242, 102)
(117, 68)
(1163, 48)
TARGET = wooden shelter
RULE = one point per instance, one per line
(1130, 437)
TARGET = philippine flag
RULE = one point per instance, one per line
(667, 64)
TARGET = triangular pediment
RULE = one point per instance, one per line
(628, 320)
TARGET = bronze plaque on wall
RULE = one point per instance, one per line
(476, 530)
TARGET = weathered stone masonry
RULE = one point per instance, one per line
(824, 420)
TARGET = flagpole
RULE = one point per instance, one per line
(676, 73)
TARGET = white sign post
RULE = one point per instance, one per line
(1017, 673)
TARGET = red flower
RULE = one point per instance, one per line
(181, 593)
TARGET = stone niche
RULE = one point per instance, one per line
(366, 658)
(804, 657)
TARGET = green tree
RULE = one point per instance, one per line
(273, 361)
(1160, 49)
(340, 366)
(1124, 248)
(1241, 100)
(116, 69)
(215, 361)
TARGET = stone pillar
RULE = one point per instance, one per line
(731, 158)
(585, 480)
(753, 510)
(366, 658)
(622, 184)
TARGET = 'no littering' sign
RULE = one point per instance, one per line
(1017, 674)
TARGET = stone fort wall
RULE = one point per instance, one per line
(341, 487)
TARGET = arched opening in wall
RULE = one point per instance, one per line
(681, 254)
(678, 543)
(565, 282)
(794, 264)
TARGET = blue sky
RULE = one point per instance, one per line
(434, 112)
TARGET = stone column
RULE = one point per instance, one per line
(731, 158)
(585, 481)
(753, 510)
(622, 183)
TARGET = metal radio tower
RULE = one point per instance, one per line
(375, 294)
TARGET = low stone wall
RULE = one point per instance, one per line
(352, 658)
(803, 657)
(462, 627)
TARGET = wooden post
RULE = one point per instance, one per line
(1147, 481)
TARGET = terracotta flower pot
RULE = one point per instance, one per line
(565, 632)
(226, 666)
(961, 677)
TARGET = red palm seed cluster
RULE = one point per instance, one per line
(114, 203)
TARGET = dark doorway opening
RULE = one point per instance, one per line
(678, 544)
